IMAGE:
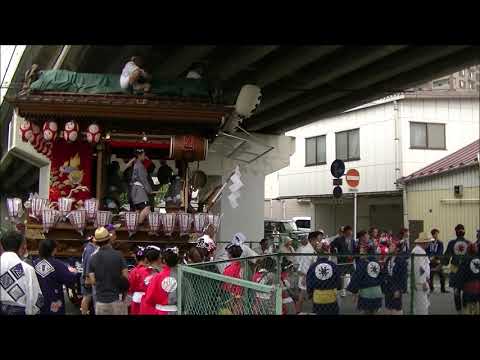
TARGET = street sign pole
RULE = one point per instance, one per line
(355, 215)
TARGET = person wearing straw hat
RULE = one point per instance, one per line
(421, 274)
(108, 272)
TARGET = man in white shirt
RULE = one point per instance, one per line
(421, 273)
(20, 293)
(134, 77)
(307, 246)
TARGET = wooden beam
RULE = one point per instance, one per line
(358, 80)
(100, 174)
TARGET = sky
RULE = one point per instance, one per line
(6, 52)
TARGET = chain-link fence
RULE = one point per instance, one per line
(312, 284)
(205, 291)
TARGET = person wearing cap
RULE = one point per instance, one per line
(421, 274)
(322, 282)
(456, 250)
(468, 280)
(161, 295)
(140, 187)
(87, 305)
(395, 280)
(136, 279)
(435, 254)
(366, 282)
(108, 272)
(307, 246)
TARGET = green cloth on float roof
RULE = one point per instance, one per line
(84, 83)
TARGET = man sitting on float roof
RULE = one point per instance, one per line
(134, 77)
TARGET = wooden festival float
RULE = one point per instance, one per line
(80, 131)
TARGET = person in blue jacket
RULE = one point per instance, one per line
(468, 280)
(395, 280)
(366, 282)
(323, 280)
(52, 274)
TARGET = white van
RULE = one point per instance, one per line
(303, 223)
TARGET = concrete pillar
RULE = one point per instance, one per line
(44, 181)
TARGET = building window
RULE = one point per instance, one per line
(347, 144)
(462, 84)
(471, 85)
(462, 73)
(427, 136)
(471, 74)
(315, 150)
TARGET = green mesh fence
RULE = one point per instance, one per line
(206, 292)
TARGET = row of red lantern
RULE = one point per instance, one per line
(32, 133)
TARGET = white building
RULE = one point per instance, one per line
(384, 140)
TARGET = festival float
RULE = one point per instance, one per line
(87, 126)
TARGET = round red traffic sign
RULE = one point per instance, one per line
(353, 178)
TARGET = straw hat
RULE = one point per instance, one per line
(101, 235)
(423, 238)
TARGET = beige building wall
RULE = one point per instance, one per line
(432, 201)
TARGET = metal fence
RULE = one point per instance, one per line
(205, 290)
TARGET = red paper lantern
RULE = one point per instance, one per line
(93, 133)
(27, 130)
(50, 129)
(70, 132)
(36, 135)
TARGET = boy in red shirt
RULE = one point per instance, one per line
(161, 295)
(232, 292)
(136, 279)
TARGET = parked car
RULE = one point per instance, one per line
(282, 229)
(303, 223)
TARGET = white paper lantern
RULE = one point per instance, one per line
(78, 219)
(214, 220)
(103, 218)
(49, 219)
(131, 221)
(37, 205)
(93, 133)
(91, 206)
(14, 208)
(185, 223)
(65, 206)
(50, 129)
(199, 222)
(155, 222)
(70, 132)
(168, 222)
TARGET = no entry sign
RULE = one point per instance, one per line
(353, 178)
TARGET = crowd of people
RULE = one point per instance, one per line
(376, 263)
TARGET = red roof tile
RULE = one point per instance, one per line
(464, 157)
